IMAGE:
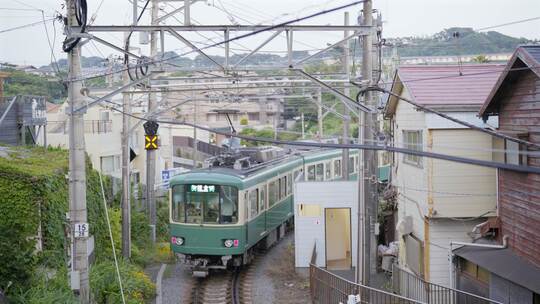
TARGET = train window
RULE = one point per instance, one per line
(351, 165)
(282, 187)
(311, 173)
(212, 205)
(253, 203)
(337, 168)
(319, 174)
(272, 193)
(328, 171)
(178, 207)
(211, 208)
(289, 184)
(262, 198)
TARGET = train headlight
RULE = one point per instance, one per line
(228, 243)
(177, 240)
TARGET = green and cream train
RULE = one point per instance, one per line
(241, 200)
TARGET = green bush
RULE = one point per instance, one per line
(47, 291)
(138, 288)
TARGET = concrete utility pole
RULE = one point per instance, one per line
(365, 134)
(195, 147)
(303, 131)
(151, 154)
(346, 91)
(320, 114)
(126, 183)
(77, 172)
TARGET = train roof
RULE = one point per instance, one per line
(244, 178)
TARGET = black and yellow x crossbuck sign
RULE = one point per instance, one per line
(150, 142)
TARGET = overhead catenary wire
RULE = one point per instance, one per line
(483, 163)
(269, 28)
(453, 119)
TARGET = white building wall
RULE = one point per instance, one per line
(310, 230)
(409, 179)
(442, 231)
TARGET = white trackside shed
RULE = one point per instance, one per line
(325, 215)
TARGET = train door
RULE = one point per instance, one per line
(338, 238)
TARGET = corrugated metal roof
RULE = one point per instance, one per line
(444, 85)
(534, 52)
(528, 55)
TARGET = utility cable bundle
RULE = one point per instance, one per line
(81, 13)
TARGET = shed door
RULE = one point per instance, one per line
(338, 238)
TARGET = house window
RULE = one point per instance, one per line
(515, 153)
(413, 140)
(110, 164)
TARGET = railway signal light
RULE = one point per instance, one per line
(150, 142)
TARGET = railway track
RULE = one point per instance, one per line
(231, 287)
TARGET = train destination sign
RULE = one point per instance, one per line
(202, 188)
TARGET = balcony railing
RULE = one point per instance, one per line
(90, 127)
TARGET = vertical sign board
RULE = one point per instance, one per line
(165, 177)
(81, 230)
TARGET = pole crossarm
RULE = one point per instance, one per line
(258, 48)
(170, 14)
(359, 29)
(104, 42)
(193, 47)
(330, 109)
(325, 49)
(111, 94)
(349, 103)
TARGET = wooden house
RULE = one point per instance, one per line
(439, 201)
(512, 274)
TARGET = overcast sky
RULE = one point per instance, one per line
(401, 17)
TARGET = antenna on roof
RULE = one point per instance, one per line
(456, 35)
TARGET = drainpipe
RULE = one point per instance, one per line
(478, 227)
(451, 255)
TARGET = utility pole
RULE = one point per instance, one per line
(151, 154)
(126, 193)
(346, 91)
(365, 134)
(195, 151)
(320, 114)
(303, 131)
(77, 171)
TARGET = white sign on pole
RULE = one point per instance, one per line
(81, 230)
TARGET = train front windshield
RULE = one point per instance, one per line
(205, 204)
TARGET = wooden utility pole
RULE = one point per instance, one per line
(346, 91)
(151, 154)
(77, 171)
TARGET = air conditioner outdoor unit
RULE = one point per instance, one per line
(404, 226)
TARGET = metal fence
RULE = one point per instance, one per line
(411, 286)
(328, 288)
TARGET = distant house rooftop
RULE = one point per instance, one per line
(445, 86)
(525, 58)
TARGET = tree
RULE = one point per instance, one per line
(481, 59)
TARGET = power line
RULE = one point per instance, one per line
(461, 122)
(482, 163)
(269, 28)
(26, 25)
(508, 23)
